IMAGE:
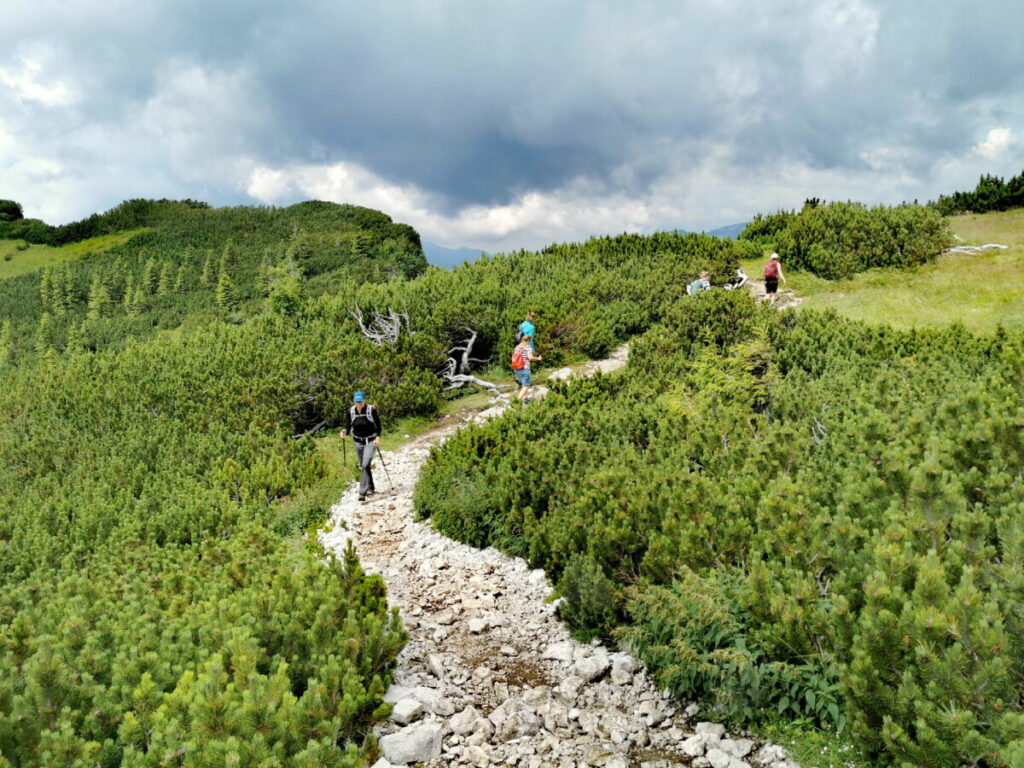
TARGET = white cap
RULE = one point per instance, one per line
(775, 255)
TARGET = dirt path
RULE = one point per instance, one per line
(785, 297)
(490, 676)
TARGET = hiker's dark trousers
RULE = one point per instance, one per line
(364, 455)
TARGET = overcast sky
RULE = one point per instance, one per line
(503, 125)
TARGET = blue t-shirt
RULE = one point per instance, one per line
(527, 329)
(698, 285)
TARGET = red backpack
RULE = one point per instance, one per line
(771, 269)
(518, 361)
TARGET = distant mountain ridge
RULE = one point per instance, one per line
(732, 231)
(447, 258)
(441, 256)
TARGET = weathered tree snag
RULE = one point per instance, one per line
(456, 370)
(382, 329)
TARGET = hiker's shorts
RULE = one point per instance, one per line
(771, 285)
(523, 377)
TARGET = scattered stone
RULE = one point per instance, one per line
(465, 722)
(407, 710)
(736, 747)
(693, 746)
(592, 668)
(559, 652)
(769, 754)
(416, 743)
(435, 665)
(715, 730)
(396, 693)
(718, 758)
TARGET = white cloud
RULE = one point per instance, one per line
(27, 81)
(998, 139)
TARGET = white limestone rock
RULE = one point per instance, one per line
(407, 710)
(559, 652)
(417, 743)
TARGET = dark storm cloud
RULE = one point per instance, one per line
(478, 103)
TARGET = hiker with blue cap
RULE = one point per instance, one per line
(363, 423)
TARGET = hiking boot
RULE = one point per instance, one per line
(362, 497)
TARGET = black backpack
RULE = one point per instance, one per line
(519, 335)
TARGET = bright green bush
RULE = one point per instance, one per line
(838, 240)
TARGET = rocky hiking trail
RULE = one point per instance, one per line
(490, 675)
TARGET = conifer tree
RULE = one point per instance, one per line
(148, 281)
(139, 302)
(180, 279)
(100, 303)
(129, 293)
(225, 295)
(206, 277)
(44, 333)
(165, 285)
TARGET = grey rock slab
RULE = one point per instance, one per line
(736, 747)
(425, 694)
(592, 668)
(407, 710)
(436, 665)
(716, 730)
(718, 758)
(396, 693)
(560, 374)
(559, 652)
(768, 754)
(417, 743)
(465, 722)
(693, 746)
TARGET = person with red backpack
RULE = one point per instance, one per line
(772, 275)
(522, 356)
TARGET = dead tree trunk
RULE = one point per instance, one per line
(456, 371)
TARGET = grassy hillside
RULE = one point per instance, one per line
(981, 291)
(18, 256)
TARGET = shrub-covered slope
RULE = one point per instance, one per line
(788, 513)
(190, 264)
(156, 605)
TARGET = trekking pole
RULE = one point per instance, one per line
(386, 473)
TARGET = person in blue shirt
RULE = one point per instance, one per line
(527, 328)
(700, 284)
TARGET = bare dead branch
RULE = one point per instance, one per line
(382, 329)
